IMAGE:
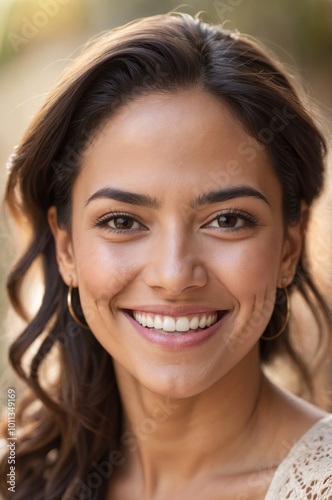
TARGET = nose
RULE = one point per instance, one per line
(176, 265)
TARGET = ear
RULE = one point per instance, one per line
(292, 247)
(64, 249)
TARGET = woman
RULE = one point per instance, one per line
(167, 182)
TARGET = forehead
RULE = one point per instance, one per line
(187, 141)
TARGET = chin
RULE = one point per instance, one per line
(177, 385)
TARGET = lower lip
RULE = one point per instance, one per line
(175, 342)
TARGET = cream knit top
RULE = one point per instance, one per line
(306, 472)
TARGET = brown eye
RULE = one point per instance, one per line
(227, 220)
(233, 221)
(121, 222)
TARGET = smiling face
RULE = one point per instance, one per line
(177, 242)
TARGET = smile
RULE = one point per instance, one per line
(176, 324)
(182, 328)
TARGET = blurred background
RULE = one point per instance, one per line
(38, 38)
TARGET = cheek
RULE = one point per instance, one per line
(103, 272)
(249, 263)
(249, 271)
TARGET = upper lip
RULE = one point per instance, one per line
(164, 310)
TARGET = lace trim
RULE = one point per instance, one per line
(306, 472)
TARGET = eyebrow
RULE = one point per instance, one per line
(141, 200)
(151, 202)
(227, 194)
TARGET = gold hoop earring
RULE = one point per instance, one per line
(71, 309)
(282, 329)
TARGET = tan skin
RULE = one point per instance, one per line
(227, 427)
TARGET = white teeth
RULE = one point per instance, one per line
(202, 321)
(158, 323)
(168, 324)
(149, 321)
(178, 324)
(194, 322)
(182, 324)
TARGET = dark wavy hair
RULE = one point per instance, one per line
(73, 422)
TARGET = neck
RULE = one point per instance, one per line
(168, 440)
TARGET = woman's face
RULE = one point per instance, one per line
(177, 224)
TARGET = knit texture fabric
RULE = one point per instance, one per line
(306, 472)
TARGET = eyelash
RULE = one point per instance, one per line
(105, 219)
(249, 221)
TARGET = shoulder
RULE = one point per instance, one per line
(307, 467)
